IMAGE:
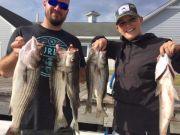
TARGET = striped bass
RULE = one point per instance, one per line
(65, 80)
(25, 81)
(97, 74)
(165, 76)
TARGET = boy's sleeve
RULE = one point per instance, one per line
(176, 62)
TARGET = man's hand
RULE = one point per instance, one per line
(170, 48)
(17, 44)
(100, 44)
(8, 63)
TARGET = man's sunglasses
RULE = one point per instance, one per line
(61, 5)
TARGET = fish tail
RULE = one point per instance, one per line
(13, 131)
(158, 90)
(59, 123)
(88, 107)
(75, 126)
(101, 113)
(176, 97)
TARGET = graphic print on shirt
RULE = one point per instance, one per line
(49, 53)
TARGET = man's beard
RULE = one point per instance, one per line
(57, 22)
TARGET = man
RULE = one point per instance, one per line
(136, 110)
(40, 116)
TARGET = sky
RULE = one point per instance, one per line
(78, 8)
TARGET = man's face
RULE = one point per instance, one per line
(55, 14)
(129, 27)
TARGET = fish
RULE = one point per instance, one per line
(25, 80)
(58, 88)
(97, 73)
(65, 80)
(164, 76)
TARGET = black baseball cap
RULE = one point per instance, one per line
(126, 9)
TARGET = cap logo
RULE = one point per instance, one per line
(123, 9)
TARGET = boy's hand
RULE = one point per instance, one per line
(100, 44)
(170, 48)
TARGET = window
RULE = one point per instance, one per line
(85, 49)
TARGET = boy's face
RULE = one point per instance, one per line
(129, 27)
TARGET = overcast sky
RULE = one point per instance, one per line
(78, 8)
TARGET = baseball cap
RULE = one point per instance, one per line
(126, 9)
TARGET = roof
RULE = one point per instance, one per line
(91, 29)
(158, 10)
(105, 28)
(13, 18)
(94, 13)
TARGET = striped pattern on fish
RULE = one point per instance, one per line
(65, 79)
(165, 89)
(97, 73)
(25, 81)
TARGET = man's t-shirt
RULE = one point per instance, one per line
(40, 114)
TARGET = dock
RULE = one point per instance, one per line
(5, 94)
(5, 125)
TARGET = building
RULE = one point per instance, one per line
(9, 21)
(164, 21)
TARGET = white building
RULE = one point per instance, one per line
(164, 21)
(9, 21)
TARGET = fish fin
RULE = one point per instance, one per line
(176, 97)
(157, 91)
(171, 71)
(10, 110)
(59, 124)
(51, 86)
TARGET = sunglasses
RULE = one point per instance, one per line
(61, 5)
(123, 23)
